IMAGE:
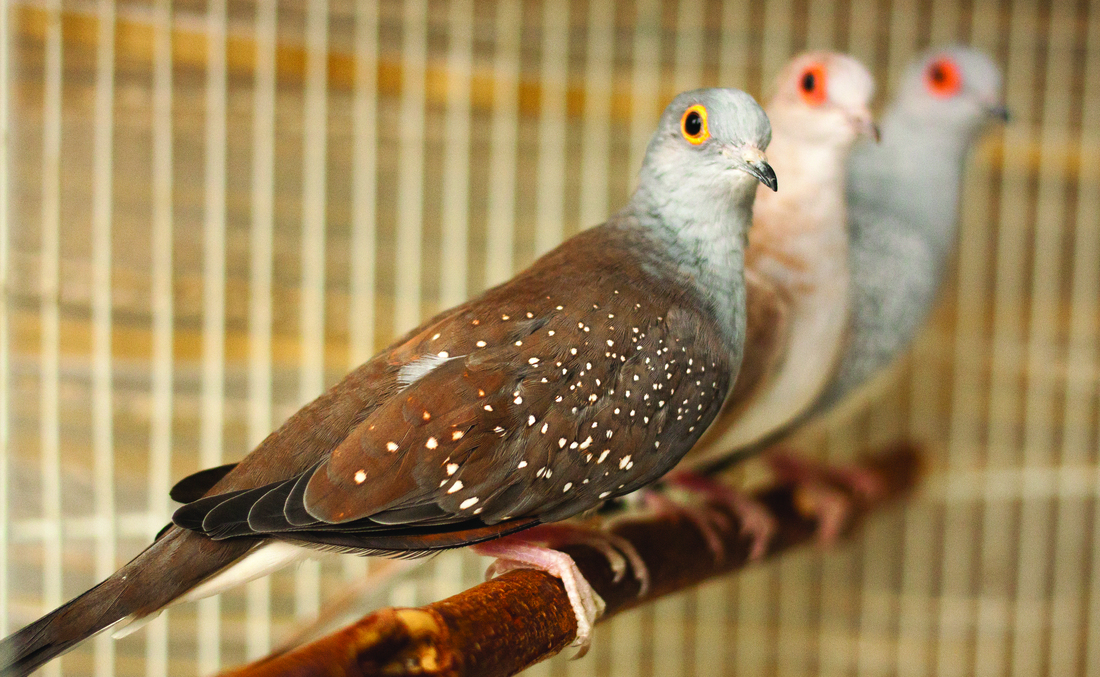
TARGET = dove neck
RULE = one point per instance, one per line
(925, 159)
(946, 142)
(703, 232)
(812, 177)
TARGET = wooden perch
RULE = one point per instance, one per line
(502, 626)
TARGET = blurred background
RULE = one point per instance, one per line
(213, 210)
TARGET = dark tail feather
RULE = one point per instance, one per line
(163, 571)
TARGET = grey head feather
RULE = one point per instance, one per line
(673, 166)
(903, 208)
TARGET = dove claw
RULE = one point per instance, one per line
(826, 492)
(513, 552)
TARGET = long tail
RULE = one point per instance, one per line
(171, 566)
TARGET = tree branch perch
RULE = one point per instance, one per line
(502, 626)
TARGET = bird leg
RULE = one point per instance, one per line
(826, 491)
(619, 552)
(515, 552)
(756, 521)
(706, 521)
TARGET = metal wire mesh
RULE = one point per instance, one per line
(213, 209)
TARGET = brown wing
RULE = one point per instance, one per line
(517, 406)
(766, 339)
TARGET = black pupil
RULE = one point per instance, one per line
(938, 76)
(693, 124)
(808, 82)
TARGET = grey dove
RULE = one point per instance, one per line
(903, 199)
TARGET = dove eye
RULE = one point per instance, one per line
(811, 85)
(693, 124)
(943, 78)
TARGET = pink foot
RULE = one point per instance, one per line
(827, 491)
(756, 522)
(513, 552)
(620, 553)
(704, 520)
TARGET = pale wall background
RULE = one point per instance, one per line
(213, 211)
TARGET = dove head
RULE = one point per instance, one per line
(957, 88)
(708, 149)
(823, 98)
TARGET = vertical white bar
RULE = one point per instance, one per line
(913, 608)
(49, 283)
(213, 301)
(669, 635)
(410, 183)
(829, 614)
(945, 23)
(598, 83)
(447, 574)
(596, 131)
(456, 156)
(689, 47)
(953, 619)
(1031, 621)
(160, 424)
(793, 596)
(839, 624)
(821, 25)
(363, 251)
(1083, 337)
(751, 590)
(550, 195)
(261, 245)
(775, 49)
(713, 623)
(311, 376)
(627, 638)
(863, 35)
(878, 609)
(733, 62)
(645, 85)
(998, 537)
(102, 406)
(364, 173)
(902, 42)
(500, 230)
(5, 374)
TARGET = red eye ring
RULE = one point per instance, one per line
(811, 85)
(942, 78)
(693, 124)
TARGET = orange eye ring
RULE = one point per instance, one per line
(693, 124)
(943, 78)
(811, 85)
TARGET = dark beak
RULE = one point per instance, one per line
(763, 172)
